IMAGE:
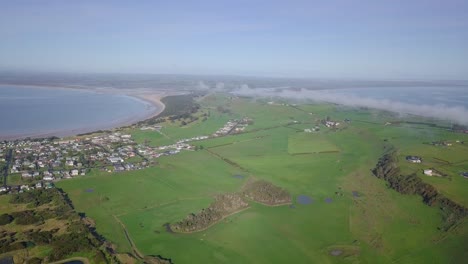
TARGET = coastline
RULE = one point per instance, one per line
(152, 98)
(147, 96)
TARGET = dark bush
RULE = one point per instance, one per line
(5, 219)
(26, 217)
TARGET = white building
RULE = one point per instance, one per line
(428, 172)
(48, 178)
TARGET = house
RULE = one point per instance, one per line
(115, 159)
(26, 175)
(48, 178)
(69, 163)
(3, 189)
(428, 172)
(413, 159)
(74, 172)
(14, 169)
(118, 168)
(38, 185)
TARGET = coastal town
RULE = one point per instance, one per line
(38, 163)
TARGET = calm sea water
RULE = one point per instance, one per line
(30, 111)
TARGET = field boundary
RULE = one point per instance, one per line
(129, 239)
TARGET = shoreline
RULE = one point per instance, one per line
(144, 95)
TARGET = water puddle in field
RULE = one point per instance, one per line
(89, 190)
(304, 199)
(238, 176)
(336, 252)
(328, 200)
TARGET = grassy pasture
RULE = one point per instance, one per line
(378, 226)
(190, 175)
(304, 143)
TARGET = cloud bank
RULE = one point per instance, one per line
(457, 114)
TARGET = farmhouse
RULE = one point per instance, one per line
(413, 159)
(428, 172)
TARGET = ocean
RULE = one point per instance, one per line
(33, 111)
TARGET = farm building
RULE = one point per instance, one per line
(413, 159)
(428, 172)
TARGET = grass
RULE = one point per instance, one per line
(305, 143)
(190, 175)
(380, 226)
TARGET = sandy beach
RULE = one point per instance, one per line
(149, 96)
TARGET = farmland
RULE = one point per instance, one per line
(352, 217)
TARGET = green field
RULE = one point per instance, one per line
(379, 226)
(305, 143)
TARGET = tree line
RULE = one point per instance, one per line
(387, 168)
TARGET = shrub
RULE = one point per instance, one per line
(5, 219)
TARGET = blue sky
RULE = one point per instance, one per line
(411, 39)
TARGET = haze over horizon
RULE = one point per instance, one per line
(332, 39)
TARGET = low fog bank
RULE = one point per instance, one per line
(457, 114)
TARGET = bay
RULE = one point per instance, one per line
(46, 111)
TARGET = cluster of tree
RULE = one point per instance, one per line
(28, 217)
(40, 237)
(223, 205)
(66, 244)
(78, 236)
(266, 193)
(5, 219)
(177, 107)
(38, 139)
(37, 197)
(186, 118)
(179, 104)
(7, 245)
(387, 169)
(94, 132)
(152, 121)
